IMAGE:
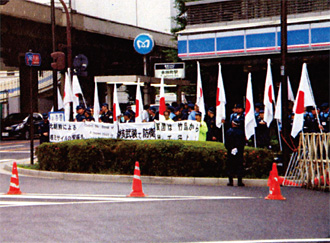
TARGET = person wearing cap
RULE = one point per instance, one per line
(44, 129)
(234, 143)
(239, 114)
(324, 118)
(202, 128)
(154, 114)
(80, 114)
(106, 114)
(178, 115)
(88, 115)
(128, 117)
(262, 132)
(310, 120)
(184, 111)
(257, 108)
(213, 133)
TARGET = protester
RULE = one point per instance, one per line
(128, 117)
(262, 132)
(192, 114)
(106, 114)
(324, 117)
(80, 114)
(44, 129)
(145, 113)
(88, 115)
(167, 116)
(154, 114)
(203, 127)
(213, 133)
(178, 115)
(234, 143)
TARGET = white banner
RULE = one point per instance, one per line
(64, 131)
(100, 130)
(136, 131)
(182, 130)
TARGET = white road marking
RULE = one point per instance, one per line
(15, 152)
(10, 146)
(80, 199)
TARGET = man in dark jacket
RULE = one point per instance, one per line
(44, 129)
(234, 143)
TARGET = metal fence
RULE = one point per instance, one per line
(205, 12)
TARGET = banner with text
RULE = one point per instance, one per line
(136, 131)
(181, 130)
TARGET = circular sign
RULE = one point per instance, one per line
(143, 44)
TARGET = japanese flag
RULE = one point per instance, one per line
(138, 104)
(76, 91)
(250, 120)
(67, 99)
(304, 98)
(269, 96)
(116, 107)
(59, 100)
(221, 100)
(278, 108)
(96, 103)
(162, 106)
(200, 95)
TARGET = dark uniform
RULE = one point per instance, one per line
(44, 129)
(107, 117)
(234, 143)
(213, 130)
(325, 117)
(262, 132)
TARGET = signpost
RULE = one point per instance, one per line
(31, 60)
(170, 70)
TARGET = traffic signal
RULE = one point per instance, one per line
(59, 60)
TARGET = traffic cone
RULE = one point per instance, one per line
(137, 183)
(274, 185)
(14, 182)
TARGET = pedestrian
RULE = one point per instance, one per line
(80, 114)
(44, 129)
(234, 143)
(202, 128)
(106, 114)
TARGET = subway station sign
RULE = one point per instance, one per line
(170, 70)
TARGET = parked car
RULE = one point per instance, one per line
(17, 125)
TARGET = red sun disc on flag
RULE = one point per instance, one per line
(137, 107)
(248, 106)
(201, 92)
(162, 105)
(301, 103)
(218, 97)
(270, 95)
(114, 112)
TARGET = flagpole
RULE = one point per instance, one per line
(255, 138)
(223, 133)
(279, 135)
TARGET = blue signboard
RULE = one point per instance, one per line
(143, 44)
(32, 59)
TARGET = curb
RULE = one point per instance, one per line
(201, 181)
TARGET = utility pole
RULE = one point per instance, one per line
(55, 101)
(284, 78)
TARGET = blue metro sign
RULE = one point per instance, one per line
(143, 44)
(32, 59)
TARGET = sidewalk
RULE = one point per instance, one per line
(204, 181)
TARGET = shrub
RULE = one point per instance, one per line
(156, 157)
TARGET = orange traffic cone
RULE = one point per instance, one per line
(137, 183)
(14, 183)
(274, 185)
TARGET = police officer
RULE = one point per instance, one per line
(238, 113)
(80, 114)
(88, 115)
(213, 131)
(234, 143)
(106, 114)
(324, 117)
(44, 129)
(262, 131)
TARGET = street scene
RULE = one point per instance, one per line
(165, 121)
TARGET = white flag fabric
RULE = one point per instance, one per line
(59, 100)
(221, 101)
(200, 95)
(96, 108)
(76, 91)
(138, 104)
(250, 120)
(278, 108)
(304, 98)
(162, 106)
(67, 99)
(115, 108)
(269, 96)
(183, 98)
